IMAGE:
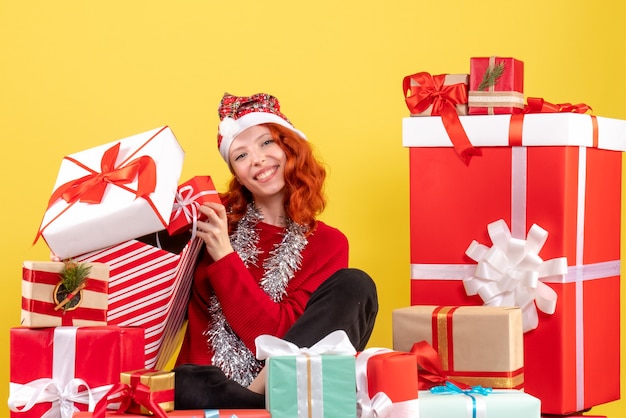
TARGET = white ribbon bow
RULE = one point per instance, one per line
(380, 405)
(24, 397)
(186, 203)
(337, 343)
(511, 273)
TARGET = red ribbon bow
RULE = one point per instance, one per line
(431, 372)
(539, 105)
(127, 395)
(430, 90)
(91, 188)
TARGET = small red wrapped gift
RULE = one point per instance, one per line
(74, 367)
(190, 195)
(496, 86)
(387, 383)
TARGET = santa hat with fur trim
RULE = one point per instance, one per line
(240, 113)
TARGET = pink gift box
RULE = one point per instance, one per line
(560, 174)
(113, 192)
(48, 361)
(39, 282)
(190, 195)
(149, 287)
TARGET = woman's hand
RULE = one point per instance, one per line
(214, 231)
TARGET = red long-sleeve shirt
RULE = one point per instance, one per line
(247, 308)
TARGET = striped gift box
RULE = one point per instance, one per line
(149, 287)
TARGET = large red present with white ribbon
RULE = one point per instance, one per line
(57, 371)
(149, 287)
(386, 383)
(41, 303)
(191, 194)
(112, 193)
(557, 178)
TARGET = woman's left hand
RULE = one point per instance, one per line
(214, 230)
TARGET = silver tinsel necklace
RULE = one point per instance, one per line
(230, 353)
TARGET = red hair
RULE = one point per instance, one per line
(304, 181)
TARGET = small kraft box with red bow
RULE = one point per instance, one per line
(474, 345)
(533, 222)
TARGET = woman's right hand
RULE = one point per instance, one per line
(214, 230)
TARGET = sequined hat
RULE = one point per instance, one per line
(240, 113)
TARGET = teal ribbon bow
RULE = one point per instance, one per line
(451, 389)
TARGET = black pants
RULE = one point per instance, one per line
(345, 301)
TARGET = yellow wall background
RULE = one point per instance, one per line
(76, 74)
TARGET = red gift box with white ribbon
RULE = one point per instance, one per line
(554, 180)
(386, 383)
(191, 194)
(149, 287)
(112, 193)
(57, 371)
(41, 306)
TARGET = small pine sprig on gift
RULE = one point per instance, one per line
(73, 277)
(492, 74)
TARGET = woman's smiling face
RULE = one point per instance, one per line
(258, 162)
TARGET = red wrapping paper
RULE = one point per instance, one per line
(194, 413)
(505, 96)
(101, 354)
(190, 195)
(39, 279)
(451, 205)
(149, 287)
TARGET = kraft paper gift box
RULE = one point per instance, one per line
(420, 86)
(56, 369)
(496, 86)
(149, 287)
(560, 172)
(442, 95)
(450, 402)
(387, 383)
(40, 280)
(191, 194)
(112, 193)
(318, 381)
(194, 413)
(477, 345)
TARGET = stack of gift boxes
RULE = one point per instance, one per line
(103, 344)
(514, 223)
(514, 240)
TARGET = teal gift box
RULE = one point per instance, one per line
(310, 382)
(482, 403)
